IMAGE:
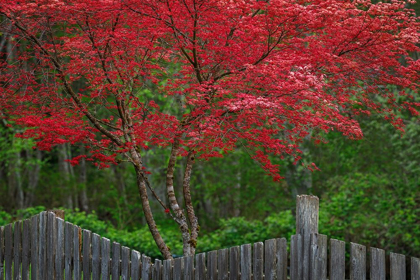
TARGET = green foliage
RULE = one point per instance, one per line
(27, 213)
(5, 218)
(22, 214)
(374, 210)
(237, 231)
(235, 186)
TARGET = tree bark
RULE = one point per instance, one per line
(15, 180)
(188, 203)
(179, 213)
(63, 168)
(33, 175)
(299, 178)
(83, 198)
(141, 184)
(237, 192)
(119, 181)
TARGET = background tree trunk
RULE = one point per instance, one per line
(82, 180)
(33, 172)
(118, 171)
(15, 181)
(65, 173)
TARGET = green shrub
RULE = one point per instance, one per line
(373, 210)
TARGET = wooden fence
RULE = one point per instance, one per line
(46, 247)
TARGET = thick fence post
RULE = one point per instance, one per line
(307, 213)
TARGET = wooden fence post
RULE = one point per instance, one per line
(307, 213)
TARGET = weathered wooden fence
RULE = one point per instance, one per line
(47, 247)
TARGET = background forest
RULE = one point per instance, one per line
(369, 190)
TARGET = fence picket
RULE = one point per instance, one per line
(319, 257)
(167, 270)
(415, 269)
(358, 262)
(96, 256)
(135, 265)
(116, 253)
(189, 268)
(157, 270)
(26, 249)
(17, 249)
(146, 271)
(246, 262)
(397, 266)
(8, 241)
(125, 263)
(59, 254)
(258, 263)
(295, 257)
(212, 265)
(178, 268)
(233, 263)
(42, 242)
(86, 254)
(200, 267)
(337, 259)
(34, 246)
(377, 264)
(270, 259)
(281, 258)
(68, 248)
(50, 250)
(222, 264)
(105, 258)
(77, 271)
(300, 256)
(1, 253)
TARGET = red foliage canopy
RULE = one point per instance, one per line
(262, 74)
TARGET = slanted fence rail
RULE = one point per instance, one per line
(46, 247)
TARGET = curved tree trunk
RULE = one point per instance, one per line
(188, 203)
(141, 184)
(173, 201)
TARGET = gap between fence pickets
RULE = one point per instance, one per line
(245, 262)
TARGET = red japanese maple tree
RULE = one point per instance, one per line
(261, 74)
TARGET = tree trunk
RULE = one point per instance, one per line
(237, 192)
(64, 170)
(15, 180)
(141, 184)
(179, 213)
(83, 198)
(119, 180)
(72, 183)
(33, 175)
(192, 218)
(298, 177)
